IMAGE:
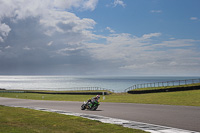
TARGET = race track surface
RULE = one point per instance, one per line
(182, 117)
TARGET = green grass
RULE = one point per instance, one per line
(56, 97)
(186, 98)
(19, 120)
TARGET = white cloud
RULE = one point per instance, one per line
(65, 22)
(173, 63)
(156, 11)
(119, 2)
(121, 46)
(140, 66)
(90, 4)
(67, 51)
(8, 47)
(193, 18)
(78, 4)
(50, 43)
(110, 30)
(1, 39)
(147, 36)
(141, 55)
(27, 48)
(4, 31)
(53, 15)
(177, 43)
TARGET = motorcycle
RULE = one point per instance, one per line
(89, 106)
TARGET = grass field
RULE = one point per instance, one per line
(20, 120)
(186, 98)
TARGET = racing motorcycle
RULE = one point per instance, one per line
(89, 106)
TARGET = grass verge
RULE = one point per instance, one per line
(186, 98)
(19, 120)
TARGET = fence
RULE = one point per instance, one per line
(163, 84)
(85, 89)
(59, 89)
(11, 91)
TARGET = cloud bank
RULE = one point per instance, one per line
(46, 37)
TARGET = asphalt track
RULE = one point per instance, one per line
(182, 117)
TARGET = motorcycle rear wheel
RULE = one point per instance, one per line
(94, 108)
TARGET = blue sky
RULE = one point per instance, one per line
(139, 17)
(100, 37)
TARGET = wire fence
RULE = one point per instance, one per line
(163, 84)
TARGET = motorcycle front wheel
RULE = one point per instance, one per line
(83, 107)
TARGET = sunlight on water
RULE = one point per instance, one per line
(116, 83)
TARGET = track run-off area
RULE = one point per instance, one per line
(169, 118)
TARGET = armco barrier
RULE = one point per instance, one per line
(11, 91)
(163, 84)
(72, 93)
(165, 90)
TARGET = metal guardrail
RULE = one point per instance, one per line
(88, 89)
(60, 89)
(163, 84)
(11, 91)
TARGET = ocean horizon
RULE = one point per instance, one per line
(60, 83)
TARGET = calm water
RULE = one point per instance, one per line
(116, 83)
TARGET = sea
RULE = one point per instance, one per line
(61, 83)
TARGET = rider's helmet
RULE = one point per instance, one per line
(98, 96)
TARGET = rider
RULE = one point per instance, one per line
(92, 100)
